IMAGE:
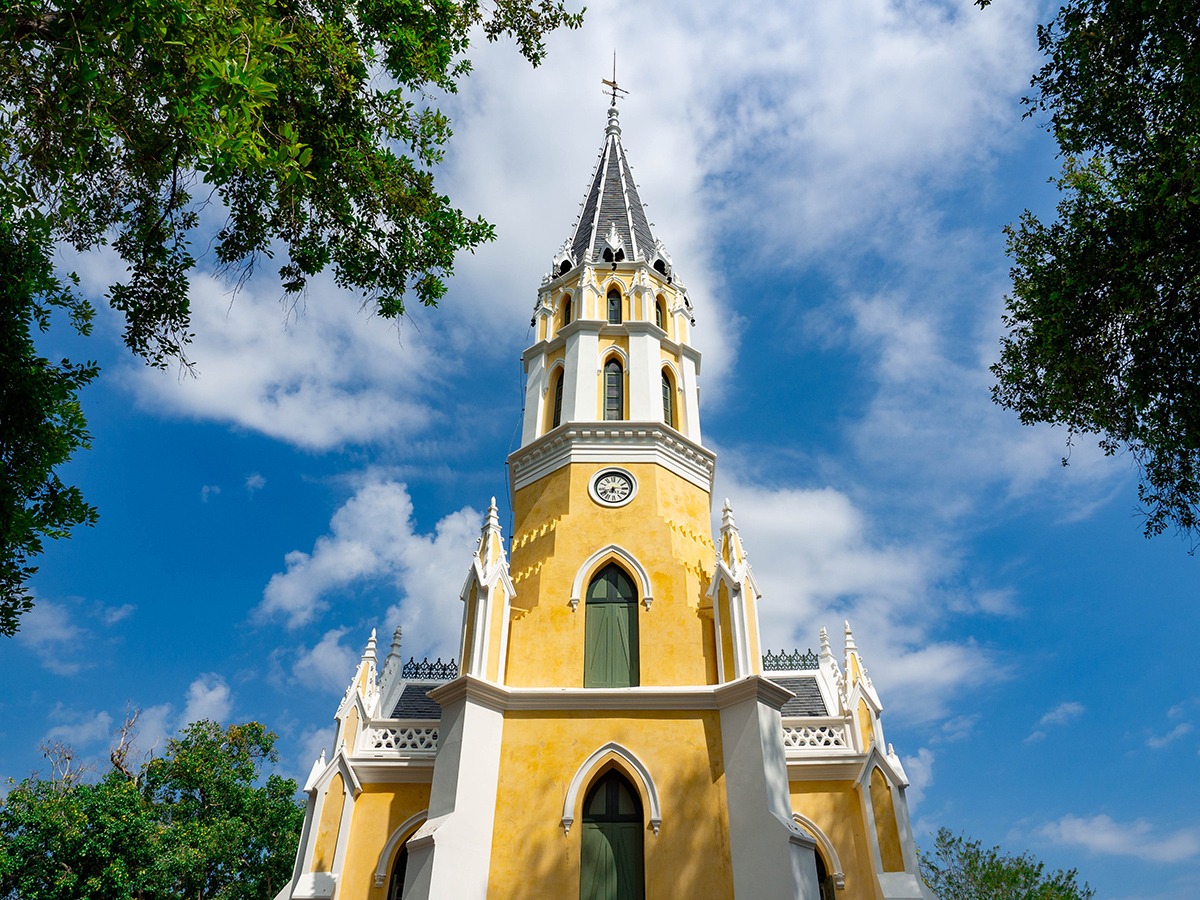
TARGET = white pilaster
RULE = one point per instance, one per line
(450, 854)
(773, 859)
(645, 391)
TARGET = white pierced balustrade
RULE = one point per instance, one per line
(393, 738)
(815, 734)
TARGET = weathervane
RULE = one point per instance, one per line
(612, 85)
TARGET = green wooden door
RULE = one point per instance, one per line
(611, 862)
(610, 654)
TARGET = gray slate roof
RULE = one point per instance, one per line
(807, 701)
(612, 198)
(413, 704)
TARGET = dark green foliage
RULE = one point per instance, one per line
(1104, 318)
(41, 423)
(307, 123)
(962, 870)
(197, 823)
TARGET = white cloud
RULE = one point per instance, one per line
(208, 697)
(255, 482)
(1062, 714)
(1139, 839)
(329, 665)
(372, 536)
(78, 728)
(50, 631)
(1158, 742)
(919, 769)
(209, 490)
(817, 560)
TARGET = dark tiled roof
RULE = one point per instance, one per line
(612, 198)
(807, 701)
(413, 704)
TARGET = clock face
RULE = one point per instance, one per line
(613, 487)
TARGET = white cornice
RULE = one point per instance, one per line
(613, 442)
(501, 698)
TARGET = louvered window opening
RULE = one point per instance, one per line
(614, 391)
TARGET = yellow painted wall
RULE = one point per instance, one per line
(349, 732)
(835, 808)
(866, 730)
(378, 811)
(886, 832)
(331, 821)
(532, 858)
(496, 635)
(665, 526)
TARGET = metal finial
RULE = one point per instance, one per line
(613, 87)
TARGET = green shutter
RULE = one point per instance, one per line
(610, 654)
(612, 865)
(598, 865)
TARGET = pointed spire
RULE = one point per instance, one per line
(826, 649)
(611, 203)
(731, 550)
(369, 653)
(850, 645)
(491, 540)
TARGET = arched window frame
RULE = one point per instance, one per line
(600, 761)
(827, 850)
(601, 558)
(558, 375)
(668, 397)
(406, 830)
(614, 377)
(566, 308)
(614, 312)
(660, 312)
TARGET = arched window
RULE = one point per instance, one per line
(824, 880)
(566, 310)
(399, 867)
(610, 654)
(611, 863)
(614, 307)
(668, 397)
(660, 316)
(614, 391)
(558, 389)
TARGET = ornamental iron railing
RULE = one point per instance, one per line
(790, 662)
(429, 671)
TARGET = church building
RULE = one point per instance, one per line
(614, 730)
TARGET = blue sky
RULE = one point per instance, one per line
(831, 180)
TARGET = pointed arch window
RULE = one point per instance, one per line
(612, 859)
(660, 317)
(614, 307)
(556, 419)
(614, 391)
(566, 310)
(610, 655)
(668, 398)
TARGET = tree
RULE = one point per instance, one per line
(41, 422)
(308, 125)
(961, 870)
(200, 822)
(1104, 316)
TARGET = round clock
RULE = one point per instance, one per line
(612, 487)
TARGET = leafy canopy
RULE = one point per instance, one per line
(303, 127)
(960, 869)
(1104, 317)
(199, 822)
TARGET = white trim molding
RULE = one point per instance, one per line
(593, 562)
(408, 826)
(637, 768)
(839, 876)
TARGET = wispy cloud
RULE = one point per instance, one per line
(1063, 714)
(64, 635)
(1139, 838)
(255, 482)
(78, 728)
(920, 775)
(328, 665)
(372, 536)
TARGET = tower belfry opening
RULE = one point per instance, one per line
(616, 727)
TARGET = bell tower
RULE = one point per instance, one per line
(613, 730)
